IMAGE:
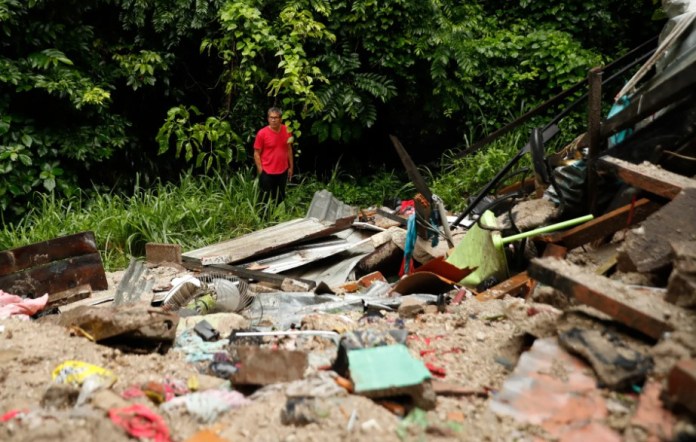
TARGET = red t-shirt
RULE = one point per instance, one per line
(273, 147)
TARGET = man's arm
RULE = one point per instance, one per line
(290, 159)
(257, 160)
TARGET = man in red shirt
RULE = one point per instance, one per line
(273, 155)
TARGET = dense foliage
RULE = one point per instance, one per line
(93, 92)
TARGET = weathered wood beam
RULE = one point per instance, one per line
(517, 285)
(605, 225)
(648, 314)
(647, 176)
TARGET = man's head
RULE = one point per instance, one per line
(274, 118)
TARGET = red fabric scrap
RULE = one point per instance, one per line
(11, 415)
(141, 422)
(435, 370)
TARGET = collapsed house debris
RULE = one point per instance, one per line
(560, 308)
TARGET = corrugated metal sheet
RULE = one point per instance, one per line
(325, 207)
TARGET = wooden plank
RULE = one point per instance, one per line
(22, 258)
(605, 225)
(648, 314)
(69, 296)
(518, 285)
(647, 176)
(57, 276)
(554, 251)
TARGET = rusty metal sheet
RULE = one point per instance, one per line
(52, 266)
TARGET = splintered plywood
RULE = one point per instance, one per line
(52, 266)
(265, 241)
(646, 313)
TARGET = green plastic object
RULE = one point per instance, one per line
(477, 249)
(386, 367)
(499, 242)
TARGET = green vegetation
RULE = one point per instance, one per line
(133, 118)
(199, 211)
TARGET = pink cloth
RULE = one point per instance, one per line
(13, 305)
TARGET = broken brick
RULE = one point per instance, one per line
(681, 384)
(265, 366)
(157, 253)
(367, 280)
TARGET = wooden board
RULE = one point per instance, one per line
(648, 176)
(605, 225)
(52, 266)
(648, 314)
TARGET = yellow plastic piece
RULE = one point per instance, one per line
(76, 372)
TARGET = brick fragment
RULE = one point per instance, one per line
(265, 366)
(157, 253)
(681, 384)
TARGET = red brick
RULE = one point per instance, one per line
(681, 383)
(367, 280)
(157, 253)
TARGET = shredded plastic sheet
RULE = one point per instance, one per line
(13, 305)
(207, 405)
(141, 422)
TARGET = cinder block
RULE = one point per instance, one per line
(157, 253)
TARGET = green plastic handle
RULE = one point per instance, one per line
(499, 242)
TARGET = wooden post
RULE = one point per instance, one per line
(594, 129)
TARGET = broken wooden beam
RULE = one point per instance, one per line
(647, 176)
(52, 266)
(69, 296)
(648, 314)
(517, 285)
(604, 225)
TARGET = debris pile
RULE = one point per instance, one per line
(559, 308)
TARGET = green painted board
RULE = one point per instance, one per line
(382, 368)
(476, 249)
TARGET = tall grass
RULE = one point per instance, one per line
(197, 211)
(462, 177)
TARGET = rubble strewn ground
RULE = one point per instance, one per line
(473, 349)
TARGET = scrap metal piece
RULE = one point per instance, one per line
(133, 284)
(325, 207)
